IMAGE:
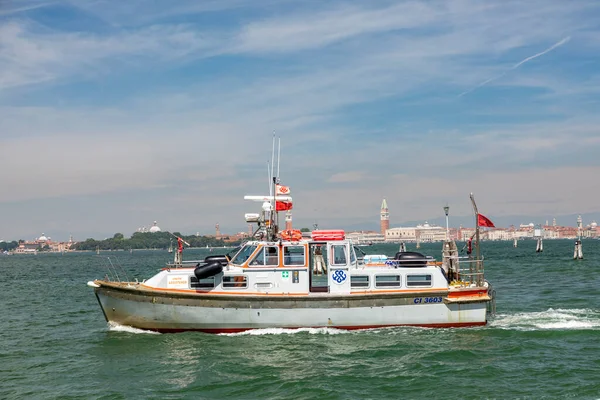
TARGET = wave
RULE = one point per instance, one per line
(115, 327)
(557, 319)
(288, 331)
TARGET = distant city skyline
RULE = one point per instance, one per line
(466, 221)
(116, 114)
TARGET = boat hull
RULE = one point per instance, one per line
(168, 312)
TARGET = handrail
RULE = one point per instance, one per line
(472, 270)
(113, 269)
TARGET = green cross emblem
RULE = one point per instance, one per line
(285, 274)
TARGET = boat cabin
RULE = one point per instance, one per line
(301, 268)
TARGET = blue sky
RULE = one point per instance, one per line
(114, 114)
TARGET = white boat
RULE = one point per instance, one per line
(275, 283)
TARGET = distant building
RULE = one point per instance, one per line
(384, 217)
(44, 243)
(365, 237)
(154, 228)
(430, 233)
(421, 233)
(407, 234)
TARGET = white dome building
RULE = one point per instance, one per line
(42, 238)
(154, 228)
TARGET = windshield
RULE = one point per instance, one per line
(243, 255)
(233, 252)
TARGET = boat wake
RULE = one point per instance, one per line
(551, 319)
(114, 327)
(286, 331)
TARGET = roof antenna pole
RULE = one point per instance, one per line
(278, 156)
(276, 181)
(272, 163)
(271, 232)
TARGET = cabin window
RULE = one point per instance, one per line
(352, 256)
(293, 255)
(268, 256)
(243, 255)
(418, 280)
(206, 283)
(386, 281)
(339, 254)
(235, 282)
(359, 281)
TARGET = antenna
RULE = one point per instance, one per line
(278, 157)
(272, 161)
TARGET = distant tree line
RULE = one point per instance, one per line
(148, 240)
(8, 246)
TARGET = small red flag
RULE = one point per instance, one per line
(283, 205)
(482, 220)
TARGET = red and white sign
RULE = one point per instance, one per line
(283, 190)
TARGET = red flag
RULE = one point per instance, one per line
(482, 220)
(283, 205)
(179, 245)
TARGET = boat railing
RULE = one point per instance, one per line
(410, 262)
(469, 269)
(184, 264)
(115, 271)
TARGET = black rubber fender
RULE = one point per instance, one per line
(220, 258)
(410, 259)
(207, 270)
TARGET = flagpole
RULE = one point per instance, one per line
(477, 250)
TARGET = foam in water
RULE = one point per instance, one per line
(285, 331)
(559, 319)
(114, 327)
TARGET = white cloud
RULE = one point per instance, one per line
(8, 7)
(33, 54)
(312, 30)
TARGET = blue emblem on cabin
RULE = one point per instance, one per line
(339, 276)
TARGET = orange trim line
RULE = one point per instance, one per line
(218, 293)
(236, 293)
(399, 291)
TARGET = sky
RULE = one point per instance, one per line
(114, 114)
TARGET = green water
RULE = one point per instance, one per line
(544, 341)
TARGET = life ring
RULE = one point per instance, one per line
(293, 235)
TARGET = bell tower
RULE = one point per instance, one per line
(385, 217)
